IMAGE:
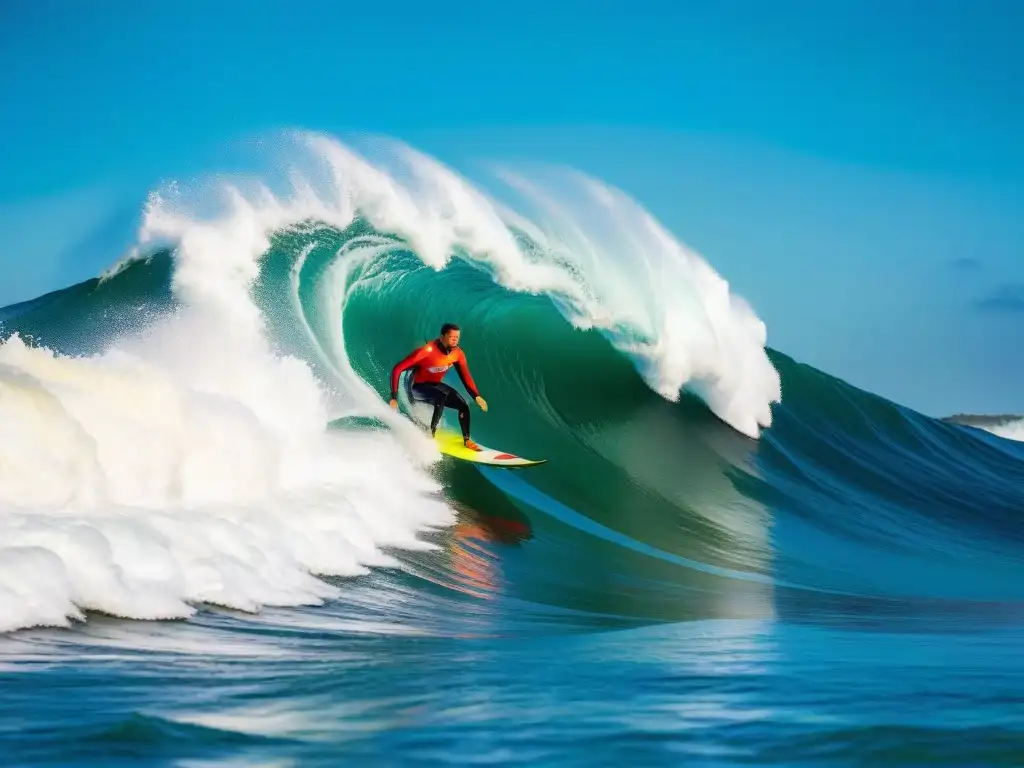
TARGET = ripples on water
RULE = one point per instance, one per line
(445, 662)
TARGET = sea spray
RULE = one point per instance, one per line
(131, 486)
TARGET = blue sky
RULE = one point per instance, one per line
(854, 169)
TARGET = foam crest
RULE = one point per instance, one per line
(1012, 430)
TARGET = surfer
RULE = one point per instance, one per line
(429, 364)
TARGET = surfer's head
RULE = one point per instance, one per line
(450, 335)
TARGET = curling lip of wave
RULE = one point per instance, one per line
(603, 260)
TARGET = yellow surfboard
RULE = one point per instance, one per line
(450, 443)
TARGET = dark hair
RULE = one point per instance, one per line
(448, 327)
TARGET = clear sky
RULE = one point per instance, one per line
(855, 169)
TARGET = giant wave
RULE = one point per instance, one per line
(177, 453)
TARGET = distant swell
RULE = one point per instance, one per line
(1008, 426)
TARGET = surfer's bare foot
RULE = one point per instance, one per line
(471, 445)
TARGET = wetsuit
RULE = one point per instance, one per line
(429, 364)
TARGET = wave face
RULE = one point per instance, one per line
(203, 433)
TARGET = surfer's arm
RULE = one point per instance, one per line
(405, 364)
(463, 370)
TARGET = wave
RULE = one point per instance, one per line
(206, 422)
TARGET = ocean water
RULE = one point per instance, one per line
(219, 546)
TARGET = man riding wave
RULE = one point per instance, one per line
(429, 364)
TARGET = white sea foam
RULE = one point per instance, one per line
(1012, 430)
(190, 461)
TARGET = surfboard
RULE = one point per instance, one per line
(450, 444)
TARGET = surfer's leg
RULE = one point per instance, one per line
(435, 396)
(435, 419)
(454, 400)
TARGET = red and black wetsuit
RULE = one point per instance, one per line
(429, 364)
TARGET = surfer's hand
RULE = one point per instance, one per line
(481, 402)
(394, 403)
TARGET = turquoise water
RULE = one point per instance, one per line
(846, 589)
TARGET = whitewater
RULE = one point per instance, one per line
(189, 461)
